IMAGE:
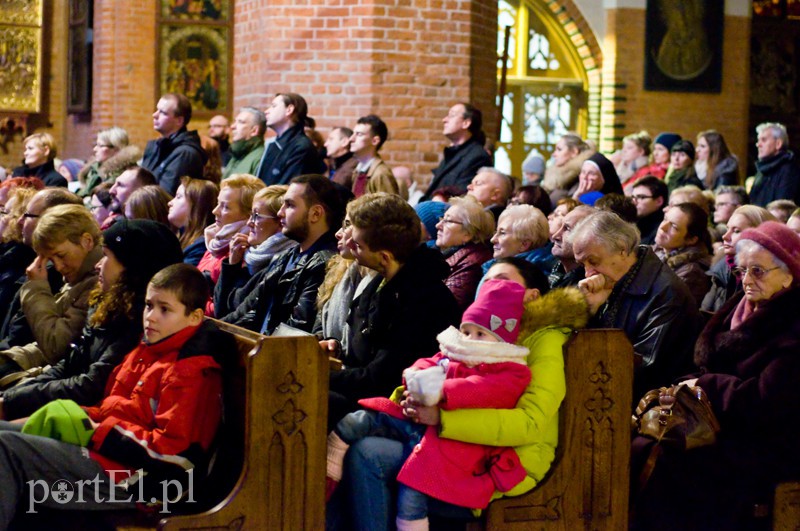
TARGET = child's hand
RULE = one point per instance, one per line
(426, 385)
(421, 414)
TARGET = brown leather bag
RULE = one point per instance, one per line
(677, 417)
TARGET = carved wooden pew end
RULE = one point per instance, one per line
(587, 486)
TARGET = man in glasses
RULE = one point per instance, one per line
(650, 195)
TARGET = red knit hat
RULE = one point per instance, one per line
(498, 309)
(780, 240)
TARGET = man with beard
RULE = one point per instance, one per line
(219, 129)
(247, 134)
(567, 272)
(124, 185)
(286, 291)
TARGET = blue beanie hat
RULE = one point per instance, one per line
(429, 213)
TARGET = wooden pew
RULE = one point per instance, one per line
(587, 486)
(271, 459)
(786, 509)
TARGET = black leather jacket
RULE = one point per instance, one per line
(660, 318)
(289, 296)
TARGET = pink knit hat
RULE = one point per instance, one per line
(498, 309)
(780, 240)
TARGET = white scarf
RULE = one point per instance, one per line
(471, 352)
(218, 239)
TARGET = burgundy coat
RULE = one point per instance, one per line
(466, 272)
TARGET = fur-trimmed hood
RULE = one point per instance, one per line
(561, 307)
(563, 177)
(686, 255)
(114, 165)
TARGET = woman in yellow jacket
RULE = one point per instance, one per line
(372, 464)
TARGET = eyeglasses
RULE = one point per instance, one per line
(108, 146)
(31, 216)
(3, 211)
(757, 272)
(641, 197)
(255, 217)
(446, 220)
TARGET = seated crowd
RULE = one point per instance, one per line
(107, 272)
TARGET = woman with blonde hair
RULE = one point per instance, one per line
(190, 212)
(112, 156)
(565, 164)
(463, 234)
(635, 154)
(724, 282)
(40, 154)
(234, 202)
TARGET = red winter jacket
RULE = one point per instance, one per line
(456, 472)
(162, 407)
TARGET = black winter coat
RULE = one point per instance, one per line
(80, 376)
(171, 158)
(290, 155)
(395, 325)
(46, 172)
(15, 258)
(777, 177)
(459, 165)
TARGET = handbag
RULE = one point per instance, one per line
(677, 417)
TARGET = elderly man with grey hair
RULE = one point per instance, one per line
(628, 287)
(492, 188)
(247, 142)
(777, 172)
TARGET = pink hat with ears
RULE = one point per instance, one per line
(498, 308)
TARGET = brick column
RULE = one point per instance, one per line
(407, 63)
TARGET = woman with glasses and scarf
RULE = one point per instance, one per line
(253, 251)
(749, 368)
(463, 235)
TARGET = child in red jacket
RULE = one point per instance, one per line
(478, 367)
(145, 439)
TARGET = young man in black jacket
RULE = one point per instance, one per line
(397, 317)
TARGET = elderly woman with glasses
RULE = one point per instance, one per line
(463, 235)
(749, 370)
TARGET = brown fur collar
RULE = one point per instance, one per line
(114, 165)
(689, 255)
(561, 307)
(562, 177)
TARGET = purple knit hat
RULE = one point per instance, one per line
(780, 240)
(498, 309)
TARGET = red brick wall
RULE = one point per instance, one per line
(682, 113)
(406, 61)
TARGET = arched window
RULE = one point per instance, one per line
(546, 83)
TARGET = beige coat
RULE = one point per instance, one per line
(56, 320)
(381, 178)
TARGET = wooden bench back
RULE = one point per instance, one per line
(283, 385)
(587, 486)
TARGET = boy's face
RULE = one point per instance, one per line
(477, 333)
(165, 315)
